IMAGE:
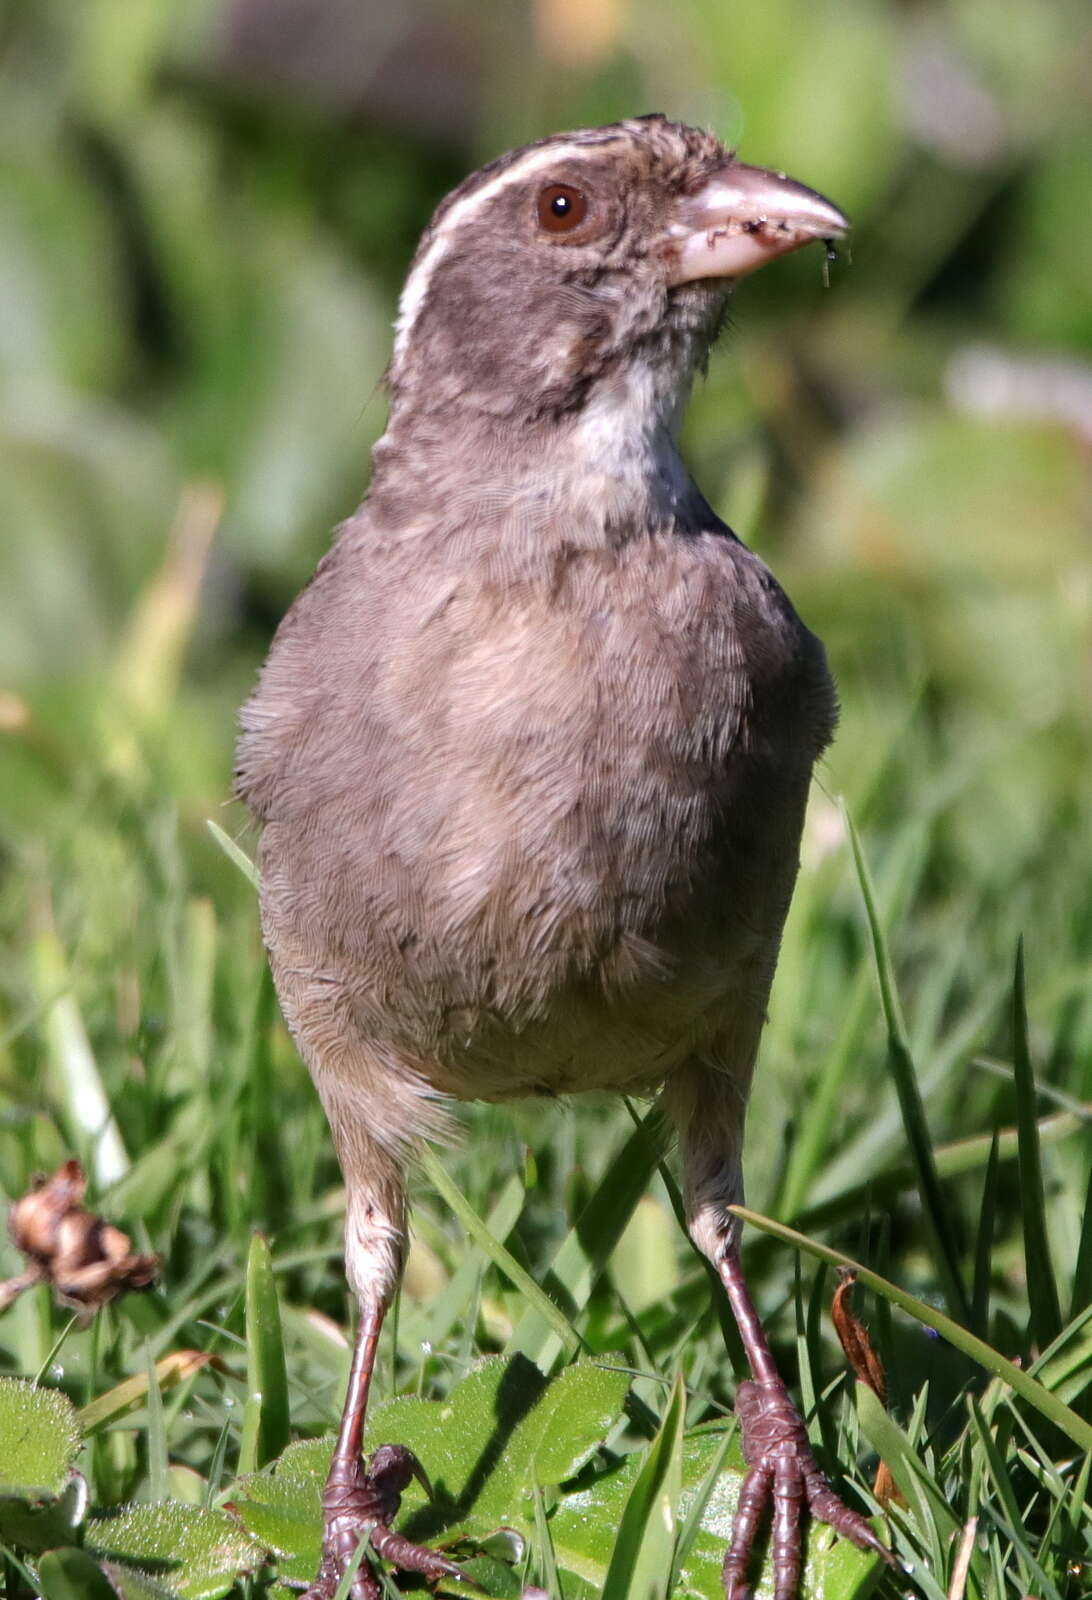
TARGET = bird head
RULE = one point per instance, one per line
(584, 276)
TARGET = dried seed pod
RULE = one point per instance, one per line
(35, 1218)
(85, 1258)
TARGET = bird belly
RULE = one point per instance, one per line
(628, 1040)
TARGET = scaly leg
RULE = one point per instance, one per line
(373, 1118)
(707, 1100)
(781, 1466)
(360, 1502)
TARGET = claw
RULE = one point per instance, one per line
(409, 1557)
(360, 1502)
(752, 1498)
(788, 1497)
(391, 1470)
(783, 1470)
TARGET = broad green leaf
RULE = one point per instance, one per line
(500, 1429)
(33, 1525)
(186, 1485)
(282, 1508)
(129, 1584)
(196, 1553)
(71, 1574)
(495, 1577)
(39, 1438)
(483, 1447)
(502, 1423)
(693, 1508)
(42, 1500)
(584, 1527)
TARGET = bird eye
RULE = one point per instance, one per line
(561, 208)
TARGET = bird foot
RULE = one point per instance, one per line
(359, 1503)
(782, 1468)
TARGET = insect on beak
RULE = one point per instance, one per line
(743, 217)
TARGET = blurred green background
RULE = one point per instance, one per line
(206, 211)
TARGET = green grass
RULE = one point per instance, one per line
(194, 290)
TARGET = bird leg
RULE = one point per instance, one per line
(779, 1460)
(360, 1500)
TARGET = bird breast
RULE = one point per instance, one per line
(492, 811)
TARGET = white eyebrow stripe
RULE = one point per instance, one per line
(416, 285)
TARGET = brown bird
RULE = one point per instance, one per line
(531, 751)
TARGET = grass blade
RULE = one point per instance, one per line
(642, 1558)
(896, 1451)
(157, 1434)
(169, 1372)
(1076, 1512)
(248, 1440)
(539, 1303)
(1012, 1524)
(1082, 1272)
(995, 1464)
(825, 1095)
(952, 1160)
(812, 1140)
(1045, 1320)
(75, 1073)
(983, 1256)
(938, 1214)
(1047, 1404)
(584, 1251)
(266, 1372)
(148, 662)
(344, 1588)
(548, 1575)
(216, 1467)
(234, 853)
(1064, 1362)
(452, 1303)
(691, 1523)
(733, 1344)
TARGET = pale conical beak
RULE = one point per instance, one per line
(743, 217)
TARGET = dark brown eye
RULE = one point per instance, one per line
(561, 208)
